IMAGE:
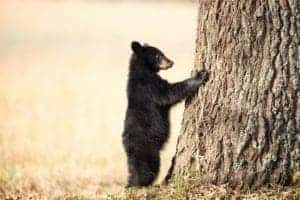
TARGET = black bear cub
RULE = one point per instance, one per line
(147, 118)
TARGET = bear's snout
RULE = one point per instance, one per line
(166, 63)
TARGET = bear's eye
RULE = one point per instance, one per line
(157, 57)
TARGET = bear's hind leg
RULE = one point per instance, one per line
(154, 164)
(133, 175)
(140, 173)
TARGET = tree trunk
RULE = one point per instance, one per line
(243, 128)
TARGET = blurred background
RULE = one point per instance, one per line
(63, 73)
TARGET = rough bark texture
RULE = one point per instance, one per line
(243, 128)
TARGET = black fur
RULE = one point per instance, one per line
(147, 118)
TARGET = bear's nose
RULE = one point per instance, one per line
(171, 63)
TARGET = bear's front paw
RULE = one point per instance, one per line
(202, 76)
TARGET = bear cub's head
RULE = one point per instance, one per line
(152, 57)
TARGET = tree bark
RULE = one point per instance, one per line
(243, 128)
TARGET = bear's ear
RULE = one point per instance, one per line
(136, 47)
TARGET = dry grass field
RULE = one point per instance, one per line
(63, 71)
